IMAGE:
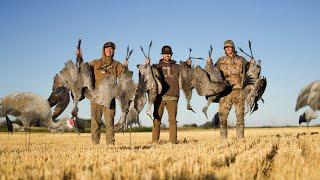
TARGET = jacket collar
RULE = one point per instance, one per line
(170, 62)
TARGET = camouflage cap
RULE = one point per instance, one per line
(228, 43)
(166, 50)
(109, 44)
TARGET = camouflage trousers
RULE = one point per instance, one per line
(171, 106)
(237, 98)
(96, 115)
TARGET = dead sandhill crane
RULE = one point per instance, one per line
(255, 88)
(27, 107)
(131, 96)
(254, 91)
(76, 78)
(309, 96)
(205, 87)
(185, 79)
(151, 77)
(126, 89)
(197, 78)
(138, 101)
(105, 92)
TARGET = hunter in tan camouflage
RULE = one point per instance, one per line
(232, 68)
(102, 68)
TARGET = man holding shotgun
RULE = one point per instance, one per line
(233, 69)
(102, 68)
(170, 72)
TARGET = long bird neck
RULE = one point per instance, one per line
(54, 125)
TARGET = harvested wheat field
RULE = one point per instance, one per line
(266, 153)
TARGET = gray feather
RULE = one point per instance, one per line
(307, 116)
(28, 107)
(204, 86)
(76, 80)
(253, 92)
(136, 104)
(105, 92)
(185, 79)
(309, 96)
(126, 90)
(213, 72)
(153, 84)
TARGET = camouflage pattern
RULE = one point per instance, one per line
(233, 70)
(228, 43)
(236, 97)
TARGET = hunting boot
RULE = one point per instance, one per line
(240, 131)
(223, 131)
(156, 131)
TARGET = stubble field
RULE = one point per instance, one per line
(265, 153)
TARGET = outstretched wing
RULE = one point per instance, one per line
(309, 96)
(213, 72)
(70, 78)
(87, 75)
(105, 92)
(204, 86)
(69, 74)
(76, 79)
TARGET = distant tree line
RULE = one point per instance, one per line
(86, 123)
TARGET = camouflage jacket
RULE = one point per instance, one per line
(233, 69)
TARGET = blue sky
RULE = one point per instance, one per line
(38, 37)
